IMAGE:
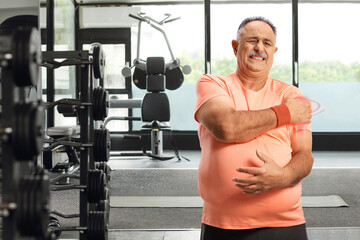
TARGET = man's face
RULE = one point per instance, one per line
(255, 48)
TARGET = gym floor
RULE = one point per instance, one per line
(334, 173)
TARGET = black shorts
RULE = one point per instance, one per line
(278, 233)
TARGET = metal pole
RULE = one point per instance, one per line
(295, 43)
(207, 36)
(50, 42)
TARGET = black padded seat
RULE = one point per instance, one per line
(156, 107)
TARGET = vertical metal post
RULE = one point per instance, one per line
(50, 42)
(295, 43)
(207, 36)
(84, 119)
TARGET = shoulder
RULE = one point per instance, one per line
(215, 78)
(283, 88)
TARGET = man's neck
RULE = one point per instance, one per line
(254, 82)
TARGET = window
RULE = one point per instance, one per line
(329, 70)
(186, 38)
(224, 28)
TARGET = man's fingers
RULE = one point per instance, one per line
(263, 157)
(250, 170)
(244, 180)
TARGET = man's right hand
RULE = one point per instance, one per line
(300, 109)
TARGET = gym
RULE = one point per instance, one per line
(108, 93)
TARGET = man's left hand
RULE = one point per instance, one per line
(264, 178)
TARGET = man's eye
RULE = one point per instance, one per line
(268, 44)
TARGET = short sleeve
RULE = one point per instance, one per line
(207, 87)
(294, 128)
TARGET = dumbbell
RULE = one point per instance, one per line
(96, 186)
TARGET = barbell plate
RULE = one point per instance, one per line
(98, 61)
(97, 226)
(28, 133)
(95, 103)
(96, 145)
(27, 52)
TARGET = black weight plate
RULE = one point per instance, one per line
(90, 186)
(139, 78)
(102, 145)
(37, 120)
(97, 226)
(35, 57)
(21, 202)
(105, 104)
(102, 184)
(107, 146)
(174, 78)
(36, 210)
(42, 204)
(107, 194)
(91, 228)
(99, 105)
(98, 61)
(94, 105)
(99, 145)
(27, 54)
(96, 145)
(94, 178)
(30, 228)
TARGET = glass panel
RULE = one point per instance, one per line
(60, 120)
(224, 28)
(329, 72)
(115, 61)
(186, 38)
(118, 125)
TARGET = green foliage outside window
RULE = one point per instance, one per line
(325, 71)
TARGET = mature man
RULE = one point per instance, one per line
(256, 145)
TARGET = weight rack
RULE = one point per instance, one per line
(25, 193)
(89, 70)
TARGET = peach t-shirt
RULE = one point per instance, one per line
(225, 206)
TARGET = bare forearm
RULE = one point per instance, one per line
(243, 126)
(299, 167)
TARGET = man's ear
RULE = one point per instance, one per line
(235, 45)
(276, 48)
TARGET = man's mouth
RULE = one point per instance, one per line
(257, 58)
(260, 56)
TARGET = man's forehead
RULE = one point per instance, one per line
(257, 28)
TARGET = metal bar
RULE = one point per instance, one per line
(50, 43)
(207, 23)
(295, 44)
(125, 103)
(84, 117)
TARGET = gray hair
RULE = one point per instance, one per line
(251, 19)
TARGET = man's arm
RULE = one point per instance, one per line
(226, 124)
(272, 176)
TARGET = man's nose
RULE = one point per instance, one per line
(259, 47)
